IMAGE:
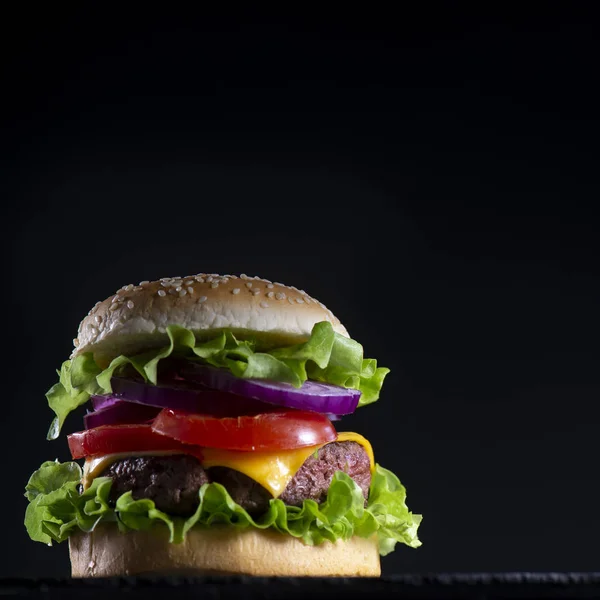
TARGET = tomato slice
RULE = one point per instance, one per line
(111, 439)
(276, 430)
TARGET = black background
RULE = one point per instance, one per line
(431, 177)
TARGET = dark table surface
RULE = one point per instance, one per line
(480, 586)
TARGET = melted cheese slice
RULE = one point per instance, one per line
(273, 470)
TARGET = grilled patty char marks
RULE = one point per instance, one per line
(173, 481)
(246, 492)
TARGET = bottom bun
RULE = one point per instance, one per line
(107, 552)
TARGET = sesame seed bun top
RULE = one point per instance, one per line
(135, 318)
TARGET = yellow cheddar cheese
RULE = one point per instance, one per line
(272, 470)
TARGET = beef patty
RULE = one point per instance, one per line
(173, 481)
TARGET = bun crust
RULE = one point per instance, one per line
(106, 552)
(136, 316)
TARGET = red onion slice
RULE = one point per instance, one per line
(100, 402)
(313, 395)
(197, 397)
(333, 417)
(182, 396)
(120, 412)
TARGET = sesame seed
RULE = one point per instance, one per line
(165, 283)
(269, 285)
(299, 301)
(93, 329)
(243, 276)
(249, 284)
(114, 299)
(235, 291)
(264, 304)
(214, 285)
(173, 291)
(279, 283)
(145, 282)
(202, 299)
(280, 296)
(129, 287)
(189, 282)
(307, 300)
(162, 293)
(200, 279)
(98, 319)
(290, 301)
(255, 292)
(270, 294)
(182, 293)
(165, 278)
(190, 289)
(75, 342)
(209, 279)
(178, 288)
(113, 307)
(130, 304)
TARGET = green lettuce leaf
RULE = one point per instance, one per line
(326, 356)
(77, 382)
(53, 482)
(56, 509)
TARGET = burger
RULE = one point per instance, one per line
(210, 440)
